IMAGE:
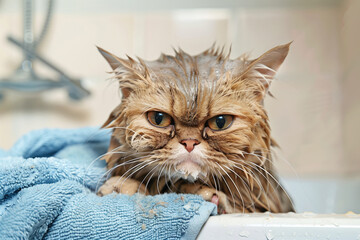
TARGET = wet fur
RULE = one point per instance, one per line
(236, 162)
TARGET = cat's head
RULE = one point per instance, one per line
(193, 116)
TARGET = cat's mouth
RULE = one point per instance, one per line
(189, 167)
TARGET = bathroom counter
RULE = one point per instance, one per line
(295, 226)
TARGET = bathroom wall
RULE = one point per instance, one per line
(315, 111)
(350, 87)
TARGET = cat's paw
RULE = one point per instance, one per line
(218, 198)
(122, 185)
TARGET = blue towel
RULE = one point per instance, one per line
(47, 184)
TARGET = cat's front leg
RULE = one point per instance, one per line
(122, 185)
(211, 195)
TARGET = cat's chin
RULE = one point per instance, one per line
(189, 169)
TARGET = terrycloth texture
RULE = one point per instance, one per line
(47, 183)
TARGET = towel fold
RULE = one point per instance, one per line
(47, 184)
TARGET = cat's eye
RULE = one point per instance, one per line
(220, 122)
(159, 119)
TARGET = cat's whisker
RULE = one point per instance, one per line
(113, 127)
(154, 169)
(108, 172)
(135, 169)
(95, 134)
(155, 161)
(269, 182)
(264, 159)
(241, 168)
(136, 155)
(127, 128)
(231, 193)
(144, 164)
(253, 166)
(268, 174)
(257, 180)
(244, 183)
(158, 179)
(113, 151)
(171, 177)
(128, 162)
(131, 161)
(146, 161)
(123, 163)
(212, 174)
(218, 182)
(262, 190)
(254, 176)
(287, 162)
(101, 156)
(205, 182)
(261, 166)
(240, 195)
(168, 178)
(261, 158)
(138, 190)
(271, 162)
(142, 136)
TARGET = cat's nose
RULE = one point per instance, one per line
(189, 144)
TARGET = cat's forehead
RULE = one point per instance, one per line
(201, 66)
(192, 81)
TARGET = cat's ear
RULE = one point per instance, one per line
(265, 67)
(116, 62)
(113, 60)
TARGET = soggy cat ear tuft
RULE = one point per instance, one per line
(116, 62)
(127, 71)
(264, 68)
(113, 60)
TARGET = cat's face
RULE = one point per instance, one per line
(193, 117)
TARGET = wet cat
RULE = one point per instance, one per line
(196, 124)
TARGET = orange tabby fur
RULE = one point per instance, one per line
(234, 164)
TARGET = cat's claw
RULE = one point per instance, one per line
(218, 198)
(119, 184)
(215, 200)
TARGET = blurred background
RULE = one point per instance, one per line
(315, 114)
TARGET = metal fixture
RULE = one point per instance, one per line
(25, 78)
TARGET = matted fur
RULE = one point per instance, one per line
(192, 89)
